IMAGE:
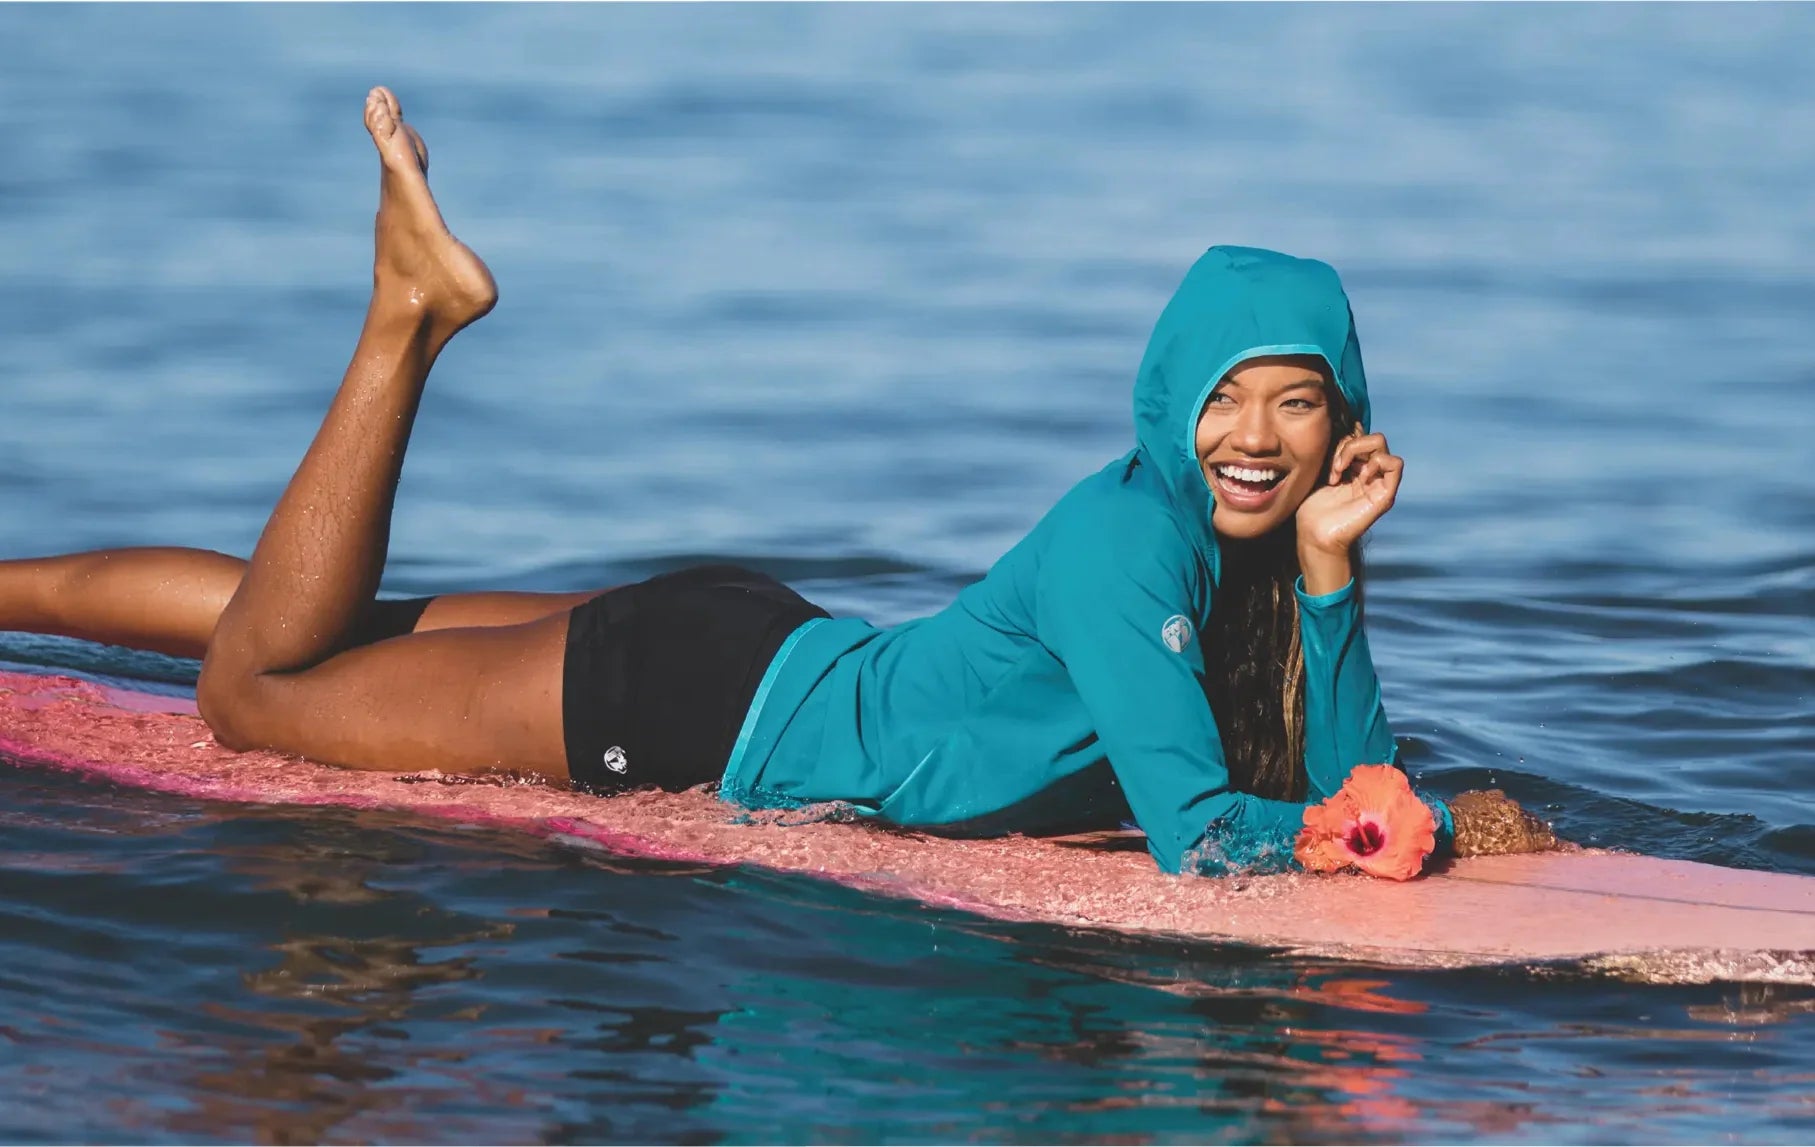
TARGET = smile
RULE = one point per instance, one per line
(1246, 487)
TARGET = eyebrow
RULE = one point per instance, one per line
(1316, 384)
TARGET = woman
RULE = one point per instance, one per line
(1208, 578)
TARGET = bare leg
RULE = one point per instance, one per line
(278, 672)
(162, 599)
(168, 599)
(318, 561)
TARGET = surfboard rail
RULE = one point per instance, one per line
(1634, 916)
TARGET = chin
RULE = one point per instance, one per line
(1245, 527)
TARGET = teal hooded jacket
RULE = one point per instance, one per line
(1065, 689)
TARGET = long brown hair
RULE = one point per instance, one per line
(1253, 660)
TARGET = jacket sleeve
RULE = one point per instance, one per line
(1103, 607)
(1345, 723)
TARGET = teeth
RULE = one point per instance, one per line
(1247, 474)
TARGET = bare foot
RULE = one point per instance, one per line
(419, 267)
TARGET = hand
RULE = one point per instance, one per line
(1362, 483)
(1490, 823)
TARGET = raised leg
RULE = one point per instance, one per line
(168, 599)
(279, 672)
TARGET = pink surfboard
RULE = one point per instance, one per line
(1634, 916)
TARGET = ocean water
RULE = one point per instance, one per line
(853, 294)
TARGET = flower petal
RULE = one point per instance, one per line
(1376, 805)
(1319, 854)
(1319, 847)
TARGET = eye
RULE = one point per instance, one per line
(1218, 398)
(1304, 403)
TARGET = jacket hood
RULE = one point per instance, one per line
(1236, 303)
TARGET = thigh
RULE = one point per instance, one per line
(393, 617)
(459, 700)
(495, 607)
(396, 616)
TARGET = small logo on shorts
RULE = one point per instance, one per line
(616, 761)
(1176, 633)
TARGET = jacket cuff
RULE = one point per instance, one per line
(1446, 828)
(1322, 600)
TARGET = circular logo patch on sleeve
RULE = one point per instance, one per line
(1176, 633)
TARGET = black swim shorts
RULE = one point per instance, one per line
(659, 674)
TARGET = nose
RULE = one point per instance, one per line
(1254, 432)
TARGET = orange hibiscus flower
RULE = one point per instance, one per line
(1375, 823)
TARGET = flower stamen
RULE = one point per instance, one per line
(1366, 838)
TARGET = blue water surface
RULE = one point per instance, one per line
(853, 294)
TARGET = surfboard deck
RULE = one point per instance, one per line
(1635, 916)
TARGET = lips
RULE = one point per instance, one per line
(1244, 486)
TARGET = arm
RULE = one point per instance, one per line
(1103, 605)
(1345, 723)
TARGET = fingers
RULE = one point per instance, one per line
(1350, 450)
(1376, 471)
(1380, 478)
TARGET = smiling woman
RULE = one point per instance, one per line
(1178, 641)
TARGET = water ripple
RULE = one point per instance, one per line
(852, 295)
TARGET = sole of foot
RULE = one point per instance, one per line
(418, 264)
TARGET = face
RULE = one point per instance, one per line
(1263, 441)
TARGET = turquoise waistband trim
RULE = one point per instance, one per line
(748, 729)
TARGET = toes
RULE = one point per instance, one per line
(389, 98)
(422, 149)
(380, 120)
(384, 118)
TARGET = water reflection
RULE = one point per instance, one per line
(1756, 1004)
(1266, 1044)
(339, 1062)
(1328, 1052)
(346, 1075)
(384, 1027)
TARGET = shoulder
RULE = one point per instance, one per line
(1119, 528)
(1122, 505)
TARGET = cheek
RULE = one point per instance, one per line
(1303, 483)
(1310, 444)
(1310, 448)
(1205, 441)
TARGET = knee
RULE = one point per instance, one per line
(224, 700)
